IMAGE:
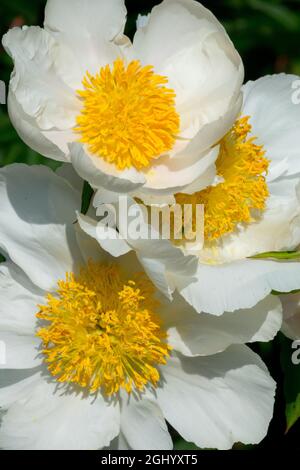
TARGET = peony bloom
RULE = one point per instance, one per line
(253, 209)
(127, 115)
(96, 357)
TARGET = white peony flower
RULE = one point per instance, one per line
(291, 315)
(253, 209)
(127, 115)
(64, 387)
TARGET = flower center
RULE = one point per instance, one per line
(128, 116)
(102, 331)
(242, 194)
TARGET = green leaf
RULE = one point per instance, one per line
(291, 374)
(87, 194)
(181, 444)
(279, 255)
(279, 13)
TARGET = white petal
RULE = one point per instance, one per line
(149, 245)
(105, 196)
(87, 237)
(291, 315)
(44, 417)
(101, 174)
(37, 212)
(110, 243)
(271, 309)
(143, 425)
(158, 257)
(19, 300)
(89, 247)
(62, 140)
(67, 172)
(89, 27)
(275, 119)
(41, 83)
(218, 400)
(195, 48)
(189, 16)
(142, 21)
(119, 443)
(29, 132)
(173, 174)
(156, 271)
(14, 387)
(21, 351)
(212, 133)
(192, 163)
(238, 285)
(193, 334)
(18, 307)
(278, 229)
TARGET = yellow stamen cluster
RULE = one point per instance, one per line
(243, 191)
(102, 331)
(128, 116)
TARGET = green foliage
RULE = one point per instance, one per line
(181, 444)
(291, 382)
(279, 255)
(87, 194)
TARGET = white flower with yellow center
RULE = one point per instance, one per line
(127, 115)
(96, 357)
(254, 208)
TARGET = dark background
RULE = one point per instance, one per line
(267, 35)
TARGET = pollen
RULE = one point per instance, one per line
(101, 331)
(241, 195)
(128, 115)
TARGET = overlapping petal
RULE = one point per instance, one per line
(229, 395)
(37, 406)
(37, 213)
